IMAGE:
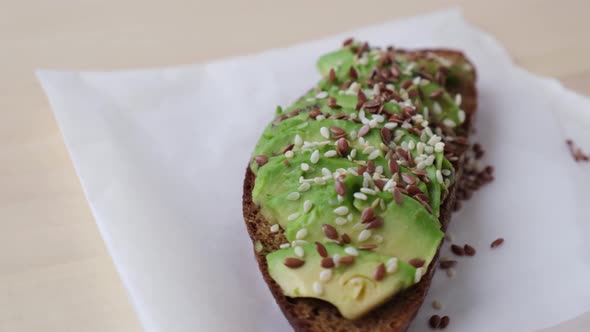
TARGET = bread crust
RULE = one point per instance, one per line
(312, 315)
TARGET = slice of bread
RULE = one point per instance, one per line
(312, 315)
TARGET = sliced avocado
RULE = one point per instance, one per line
(352, 288)
(301, 194)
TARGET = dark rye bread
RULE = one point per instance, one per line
(312, 315)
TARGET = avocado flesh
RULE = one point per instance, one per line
(351, 288)
(409, 230)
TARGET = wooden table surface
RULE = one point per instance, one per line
(55, 274)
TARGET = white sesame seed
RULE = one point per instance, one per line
(449, 123)
(364, 235)
(420, 148)
(458, 99)
(379, 169)
(351, 251)
(391, 265)
(326, 275)
(315, 157)
(358, 226)
(304, 167)
(319, 180)
(376, 89)
(429, 149)
(353, 153)
(303, 125)
(461, 116)
(289, 154)
(304, 187)
(285, 245)
(318, 289)
(274, 228)
(360, 196)
(301, 234)
(330, 153)
(322, 95)
(373, 123)
(298, 243)
(298, 140)
(362, 114)
(310, 100)
(354, 87)
(411, 145)
(293, 196)
(373, 155)
(293, 216)
(421, 165)
(428, 131)
(299, 252)
(437, 305)
(423, 136)
(368, 191)
(307, 205)
(325, 132)
(389, 185)
(349, 217)
(368, 149)
(390, 125)
(434, 139)
(406, 125)
(377, 238)
(446, 172)
(418, 275)
(430, 160)
(340, 221)
(439, 147)
(439, 177)
(326, 172)
(340, 199)
(436, 108)
(341, 210)
(447, 182)
(320, 117)
(336, 259)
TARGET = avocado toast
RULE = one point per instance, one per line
(350, 189)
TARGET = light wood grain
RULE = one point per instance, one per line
(55, 274)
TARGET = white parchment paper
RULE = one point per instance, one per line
(161, 155)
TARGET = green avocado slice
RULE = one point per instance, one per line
(352, 288)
